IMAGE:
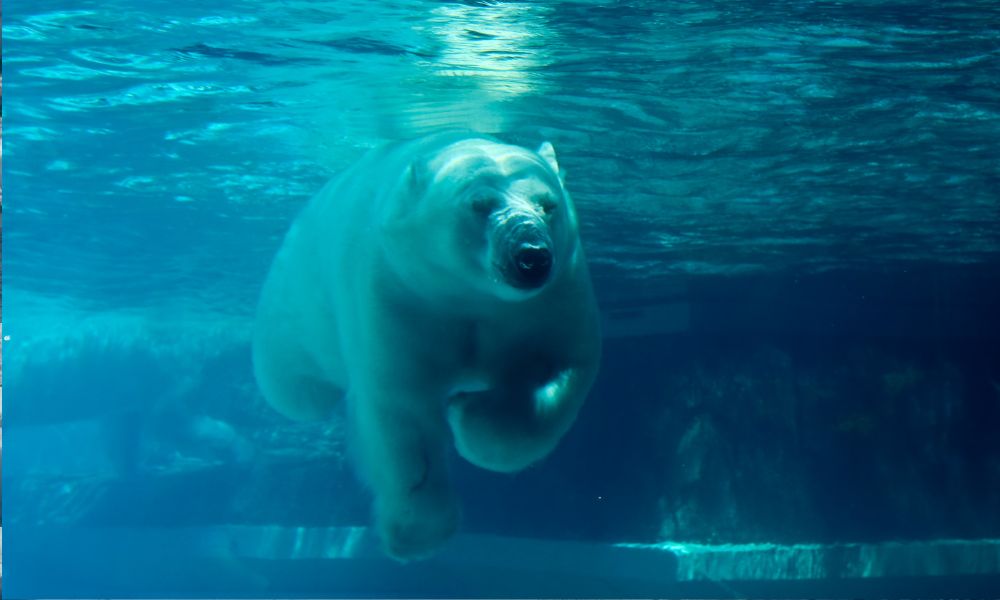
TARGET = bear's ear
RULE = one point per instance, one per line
(547, 152)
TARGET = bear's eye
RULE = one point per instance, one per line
(548, 204)
(484, 205)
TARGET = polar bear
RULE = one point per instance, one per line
(440, 288)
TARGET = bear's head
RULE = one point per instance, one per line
(487, 217)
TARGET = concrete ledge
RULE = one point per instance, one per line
(345, 561)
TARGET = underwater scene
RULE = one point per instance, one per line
(624, 299)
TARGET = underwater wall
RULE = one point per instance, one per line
(717, 430)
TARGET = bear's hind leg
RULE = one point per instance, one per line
(290, 391)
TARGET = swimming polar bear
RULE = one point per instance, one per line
(439, 286)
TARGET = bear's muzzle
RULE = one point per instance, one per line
(521, 250)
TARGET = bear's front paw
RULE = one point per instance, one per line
(415, 528)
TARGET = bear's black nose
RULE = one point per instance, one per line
(533, 264)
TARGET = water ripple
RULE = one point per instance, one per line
(118, 59)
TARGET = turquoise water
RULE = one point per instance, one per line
(787, 205)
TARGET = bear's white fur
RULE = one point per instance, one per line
(440, 287)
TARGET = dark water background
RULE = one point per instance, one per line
(791, 210)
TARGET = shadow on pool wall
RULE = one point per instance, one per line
(844, 407)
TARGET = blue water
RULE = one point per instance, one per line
(791, 208)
